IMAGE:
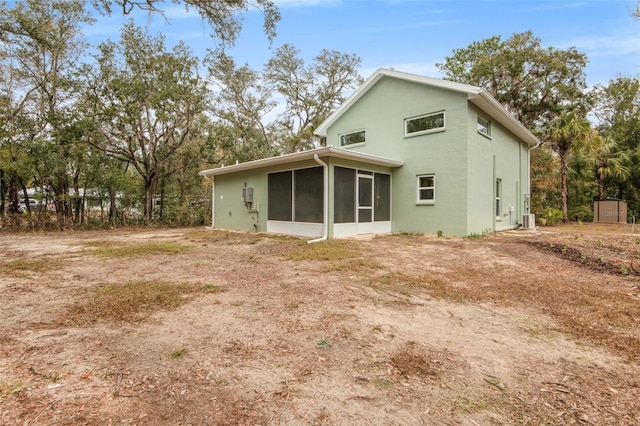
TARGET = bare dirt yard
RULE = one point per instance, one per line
(194, 326)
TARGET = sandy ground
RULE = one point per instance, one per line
(277, 339)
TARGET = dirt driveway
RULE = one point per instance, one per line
(194, 326)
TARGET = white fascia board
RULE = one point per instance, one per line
(328, 151)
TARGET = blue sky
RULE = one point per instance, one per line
(414, 35)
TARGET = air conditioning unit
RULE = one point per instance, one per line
(528, 221)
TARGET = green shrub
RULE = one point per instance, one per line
(549, 217)
(582, 213)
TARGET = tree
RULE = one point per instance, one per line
(242, 101)
(617, 109)
(222, 15)
(145, 101)
(608, 161)
(311, 92)
(41, 47)
(563, 135)
(536, 84)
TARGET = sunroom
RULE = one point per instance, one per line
(322, 193)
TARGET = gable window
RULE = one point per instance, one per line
(428, 123)
(353, 138)
(484, 127)
(498, 198)
(426, 189)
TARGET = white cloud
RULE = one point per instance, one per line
(612, 45)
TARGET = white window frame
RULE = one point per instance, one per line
(487, 126)
(419, 188)
(427, 131)
(341, 135)
(498, 205)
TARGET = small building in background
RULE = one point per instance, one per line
(610, 210)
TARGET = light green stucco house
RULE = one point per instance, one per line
(404, 153)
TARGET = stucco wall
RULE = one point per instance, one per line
(381, 111)
(500, 156)
(230, 211)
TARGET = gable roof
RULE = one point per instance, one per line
(476, 95)
(328, 151)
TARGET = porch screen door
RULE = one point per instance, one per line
(365, 203)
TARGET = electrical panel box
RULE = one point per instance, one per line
(247, 194)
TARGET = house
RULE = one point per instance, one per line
(404, 153)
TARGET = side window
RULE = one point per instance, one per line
(426, 189)
(428, 123)
(484, 127)
(353, 138)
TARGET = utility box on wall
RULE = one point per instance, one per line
(247, 194)
(610, 210)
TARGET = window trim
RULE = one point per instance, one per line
(488, 126)
(427, 131)
(425, 202)
(340, 135)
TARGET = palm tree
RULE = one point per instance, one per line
(567, 133)
(608, 160)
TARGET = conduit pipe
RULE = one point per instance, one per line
(325, 233)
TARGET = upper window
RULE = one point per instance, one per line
(352, 138)
(484, 126)
(426, 189)
(424, 124)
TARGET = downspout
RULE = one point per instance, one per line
(213, 200)
(325, 233)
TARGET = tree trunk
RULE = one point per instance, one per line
(112, 206)
(3, 194)
(148, 200)
(563, 187)
(600, 188)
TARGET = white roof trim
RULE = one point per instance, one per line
(476, 95)
(329, 151)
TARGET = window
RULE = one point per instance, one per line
(280, 196)
(353, 138)
(424, 124)
(484, 127)
(426, 189)
(499, 198)
(308, 192)
(344, 194)
(381, 197)
(296, 195)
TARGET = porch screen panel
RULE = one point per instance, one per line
(309, 195)
(381, 197)
(344, 194)
(279, 187)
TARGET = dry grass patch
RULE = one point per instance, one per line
(12, 387)
(353, 266)
(22, 268)
(131, 302)
(601, 311)
(138, 250)
(329, 250)
(411, 360)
